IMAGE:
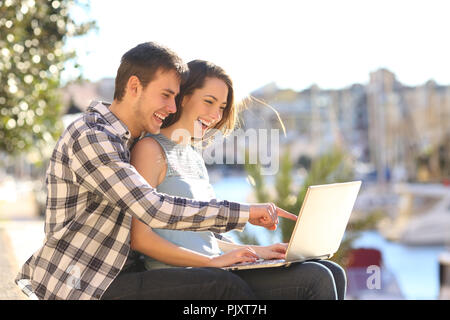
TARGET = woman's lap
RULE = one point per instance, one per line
(318, 279)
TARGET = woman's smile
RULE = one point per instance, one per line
(204, 123)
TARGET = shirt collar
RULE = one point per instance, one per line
(120, 128)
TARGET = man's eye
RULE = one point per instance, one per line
(165, 95)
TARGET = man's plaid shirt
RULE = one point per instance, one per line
(93, 192)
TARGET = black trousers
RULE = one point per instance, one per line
(319, 279)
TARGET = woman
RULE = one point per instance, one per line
(169, 162)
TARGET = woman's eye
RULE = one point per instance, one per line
(208, 102)
(223, 108)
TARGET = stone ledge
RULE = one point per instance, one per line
(8, 270)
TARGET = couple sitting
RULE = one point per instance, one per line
(101, 200)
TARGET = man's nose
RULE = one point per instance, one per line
(172, 107)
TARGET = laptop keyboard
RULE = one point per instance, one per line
(260, 262)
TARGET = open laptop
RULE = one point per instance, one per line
(320, 226)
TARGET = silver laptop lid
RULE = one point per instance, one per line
(322, 220)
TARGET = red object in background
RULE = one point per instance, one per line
(363, 257)
(446, 182)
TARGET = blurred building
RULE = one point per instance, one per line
(78, 95)
(383, 123)
(314, 119)
(407, 124)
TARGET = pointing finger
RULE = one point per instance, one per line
(285, 214)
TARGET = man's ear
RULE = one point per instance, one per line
(134, 86)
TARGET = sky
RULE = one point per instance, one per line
(295, 44)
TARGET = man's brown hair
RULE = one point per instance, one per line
(143, 61)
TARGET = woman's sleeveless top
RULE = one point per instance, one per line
(186, 177)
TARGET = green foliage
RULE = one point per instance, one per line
(283, 182)
(331, 167)
(32, 56)
(257, 181)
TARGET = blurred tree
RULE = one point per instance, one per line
(331, 167)
(433, 164)
(32, 56)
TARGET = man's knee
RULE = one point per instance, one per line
(339, 275)
(338, 271)
(320, 282)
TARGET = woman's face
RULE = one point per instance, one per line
(204, 108)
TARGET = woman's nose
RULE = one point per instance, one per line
(217, 116)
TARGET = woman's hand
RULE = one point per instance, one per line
(240, 255)
(250, 254)
(274, 251)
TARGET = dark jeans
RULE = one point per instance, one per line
(306, 280)
(314, 280)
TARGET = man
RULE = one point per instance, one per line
(93, 192)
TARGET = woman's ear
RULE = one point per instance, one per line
(185, 100)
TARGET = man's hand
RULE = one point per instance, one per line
(266, 215)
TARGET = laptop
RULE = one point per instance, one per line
(320, 225)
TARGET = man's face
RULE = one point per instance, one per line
(157, 101)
